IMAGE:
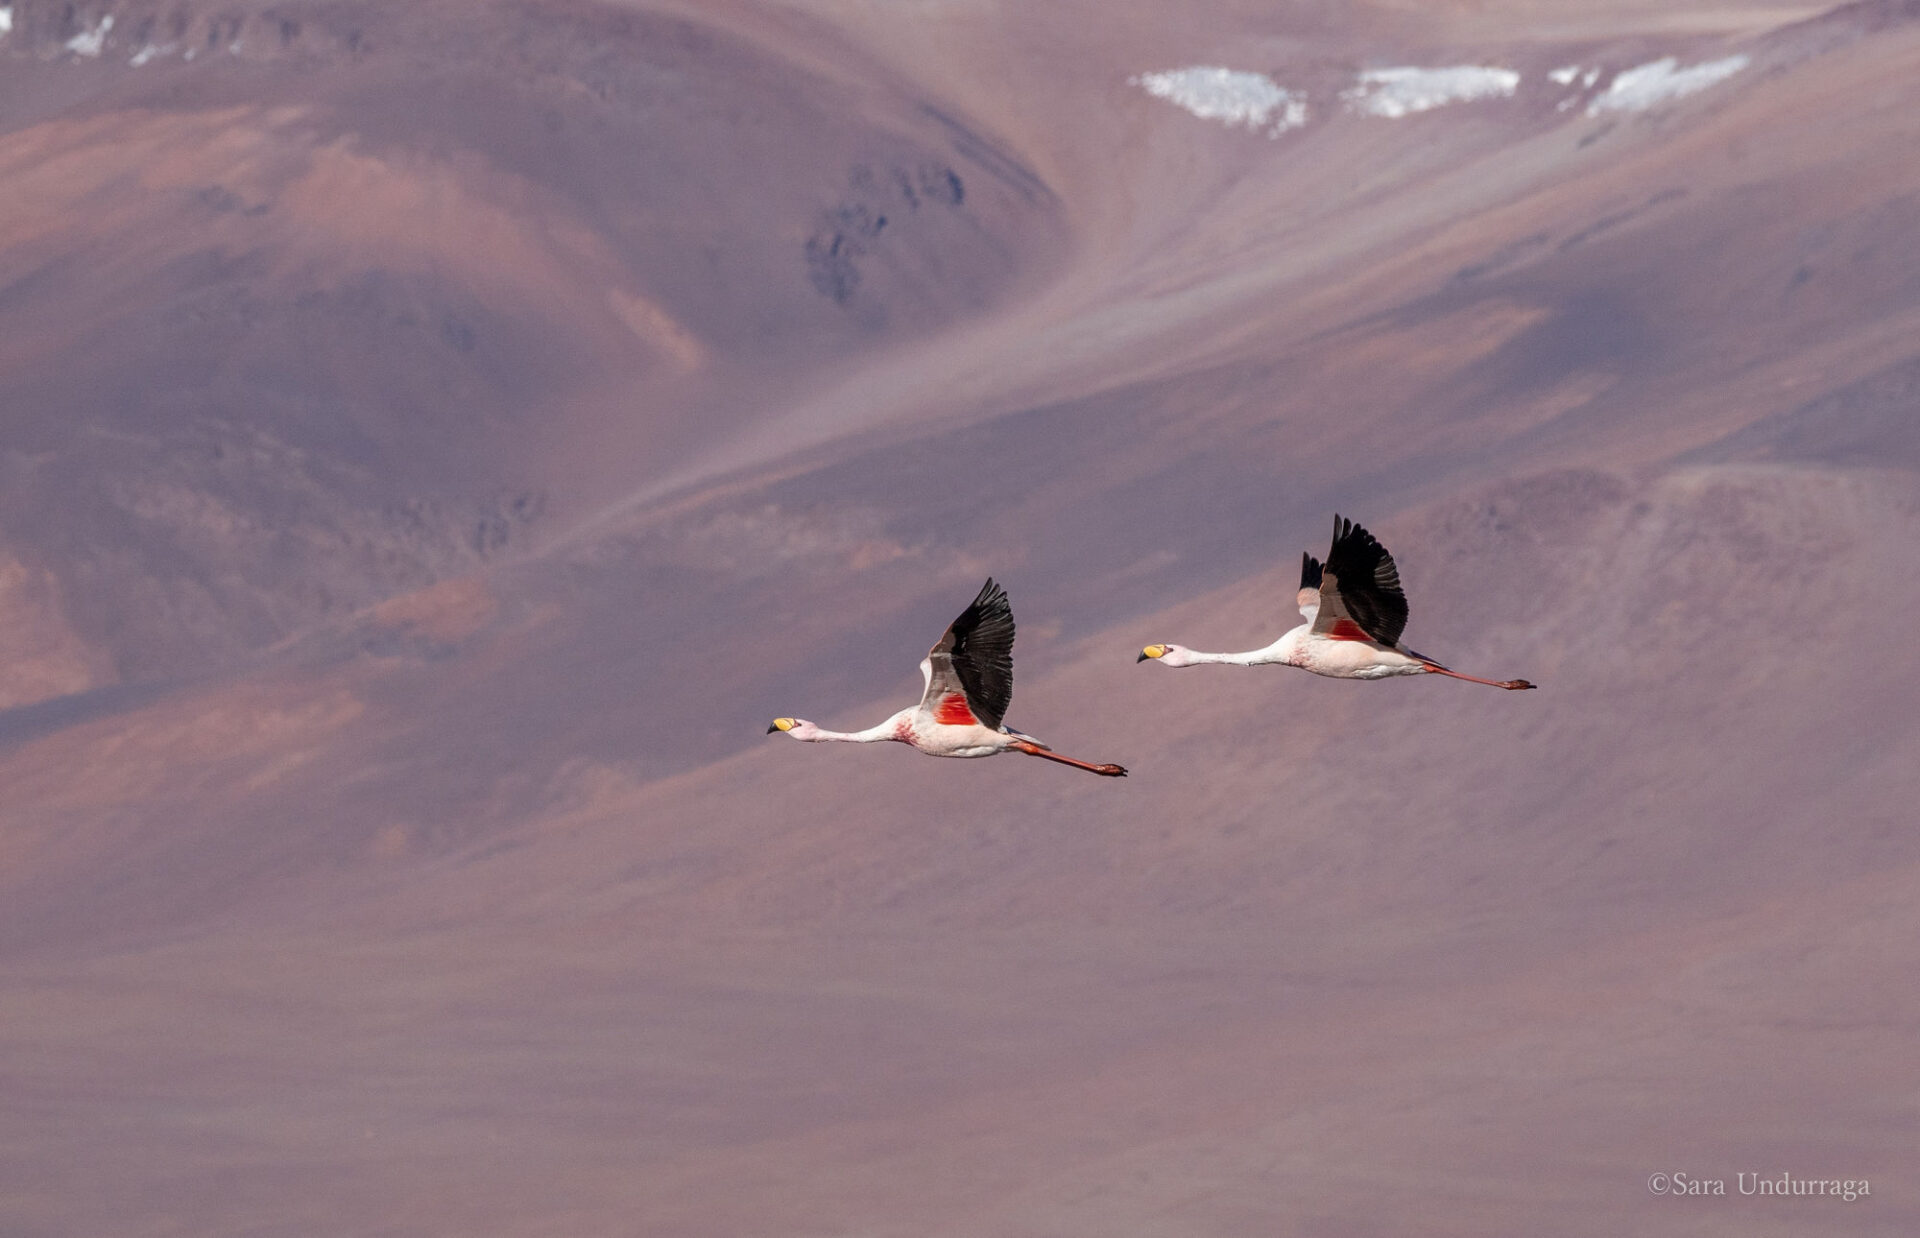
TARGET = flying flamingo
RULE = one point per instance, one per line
(969, 678)
(1355, 613)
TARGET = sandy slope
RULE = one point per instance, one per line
(436, 442)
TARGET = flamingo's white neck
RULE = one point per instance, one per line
(800, 728)
(1179, 655)
(1193, 657)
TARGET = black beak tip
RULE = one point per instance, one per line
(771, 728)
(1141, 658)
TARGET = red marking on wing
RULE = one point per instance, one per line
(953, 711)
(1347, 629)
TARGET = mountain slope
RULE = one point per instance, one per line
(403, 549)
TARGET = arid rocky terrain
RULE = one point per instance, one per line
(436, 439)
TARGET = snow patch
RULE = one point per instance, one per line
(90, 42)
(1662, 81)
(1229, 96)
(149, 52)
(1567, 75)
(1403, 91)
(6, 20)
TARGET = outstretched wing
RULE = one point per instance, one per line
(1361, 586)
(1309, 597)
(970, 672)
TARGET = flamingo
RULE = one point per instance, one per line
(1355, 612)
(969, 682)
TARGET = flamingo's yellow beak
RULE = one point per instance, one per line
(1152, 651)
(780, 724)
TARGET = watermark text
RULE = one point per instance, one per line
(1680, 1184)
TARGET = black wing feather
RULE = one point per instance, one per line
(979, 646)
(1369, 583)
(1309, 571)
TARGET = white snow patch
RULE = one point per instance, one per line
(1650, 85)
(1230, 96)
(149, 52)
(1404, 91)
(1566, 75)
(6, 20)
(89, 42)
